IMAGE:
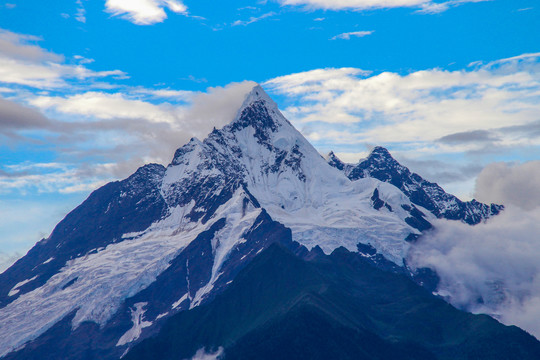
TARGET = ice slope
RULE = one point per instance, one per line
(95, 285)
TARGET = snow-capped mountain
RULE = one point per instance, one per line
(381, 165)
(166, 240)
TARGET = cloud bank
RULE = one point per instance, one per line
(510, 184)
(492, 267)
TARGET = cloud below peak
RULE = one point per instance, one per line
(489, 268)
(510, 184)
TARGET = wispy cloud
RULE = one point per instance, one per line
(80, 15)
(425, 6)
(348, 35)
(24, 62)
(253, 19)
(436, 8)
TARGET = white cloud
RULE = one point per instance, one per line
(348, 35)
(103, 105)
(144, 12)
(426, 6)
(510, 184)
(489, 268)
(47, 75)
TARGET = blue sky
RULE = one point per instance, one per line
(89, 90)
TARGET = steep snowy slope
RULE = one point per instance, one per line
(169, 239)
(382, 166)
(293, 182)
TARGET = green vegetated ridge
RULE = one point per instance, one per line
(331, 307)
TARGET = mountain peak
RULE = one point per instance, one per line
(260, 112)
(255, 95)
(333, 160)
(380, 152)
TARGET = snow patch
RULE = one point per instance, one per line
(201, 354)
(137, 317)
(181, 300)
(15, 290)
(162, 315)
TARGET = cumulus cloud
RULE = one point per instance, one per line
(348, 35)
(510, 184)
(438, 110)
(144, 12)
(425, 6)
(490, 268)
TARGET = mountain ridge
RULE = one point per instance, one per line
(381, 165)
